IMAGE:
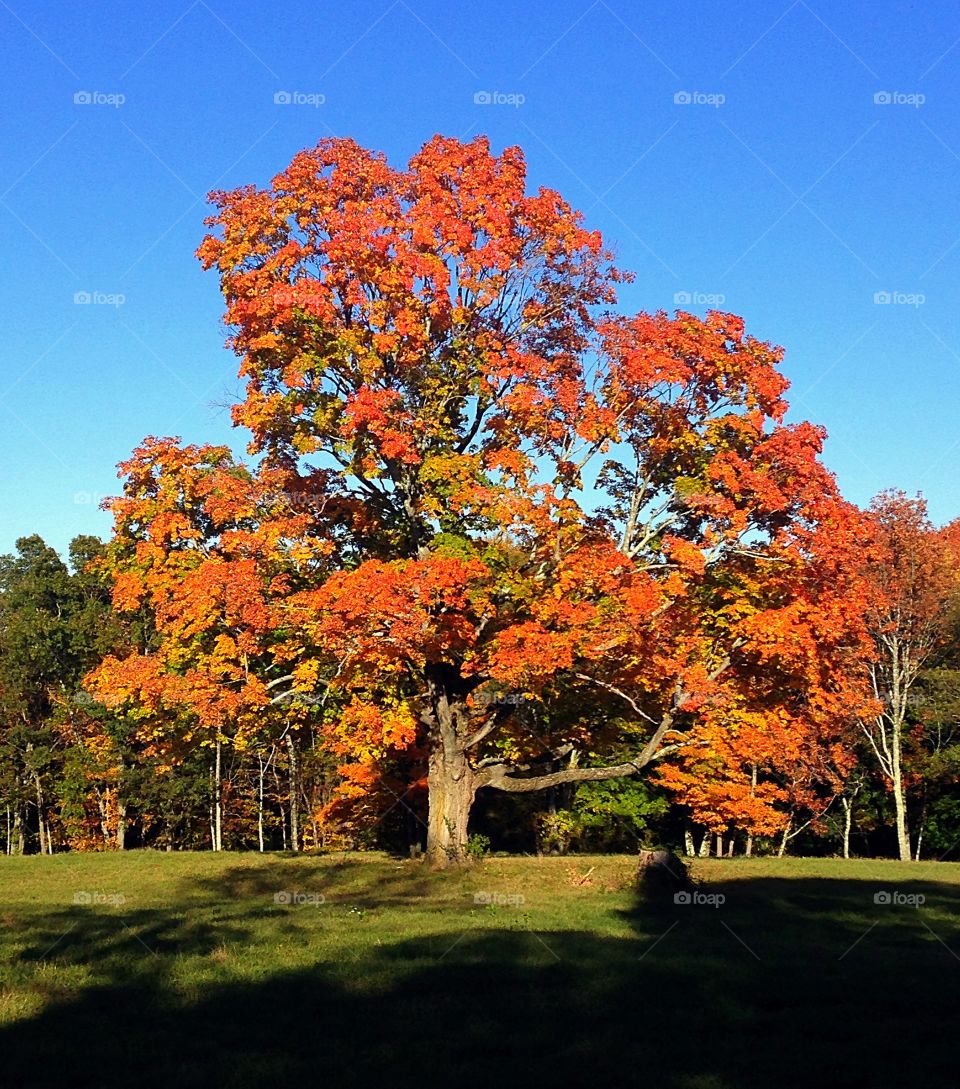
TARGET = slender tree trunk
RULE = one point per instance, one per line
(294, 794)
(688, 842)
(847, 823)
(260, 805)
(218, 798)
(748, 850)
(121, 840)
(921, 825)
(784, 840)
(899, 794)
(730, 847)
(40, 821)
(704, 850)
(719, 846)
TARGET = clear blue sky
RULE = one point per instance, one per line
(797, 197)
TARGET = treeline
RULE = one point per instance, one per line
(75, 775)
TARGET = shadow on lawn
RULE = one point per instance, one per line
(787, 983)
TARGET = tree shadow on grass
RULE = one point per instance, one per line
(798, 982)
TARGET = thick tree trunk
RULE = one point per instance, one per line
(450, 794)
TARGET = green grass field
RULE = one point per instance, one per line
(183, 970)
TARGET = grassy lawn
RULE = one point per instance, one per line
(184, 970)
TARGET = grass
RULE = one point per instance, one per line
(184, 970)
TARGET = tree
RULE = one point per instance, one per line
(545, 527)
(913, 577)
(54, 624)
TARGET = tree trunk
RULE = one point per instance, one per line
(218, 799)
(847, 823)
(121, 840)
(748, 848)
(450, 794)
(922, 825)
(688, 842)
(260, 805)
(40, 821)
(899, 794)
(784, 840)
(704, 851)
(294, 795)
(719, 846)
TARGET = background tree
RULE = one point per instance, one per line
(913, 576)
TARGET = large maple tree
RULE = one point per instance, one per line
(545, 542)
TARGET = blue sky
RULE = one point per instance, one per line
(795, 161)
